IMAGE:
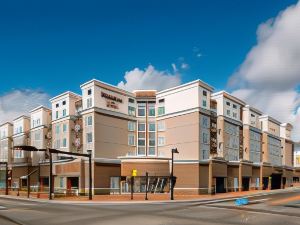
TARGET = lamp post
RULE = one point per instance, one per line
(174, 150)
(90, 174)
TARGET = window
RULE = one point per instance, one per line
(234, 106)
(64, 145)
(252, 115)
(151, 126)
(89, 121)
(89, 103)
(141, 139)
(142, 127)
(57, 128)
(204, 104)
(56, 114)
(89, 137)
(89, 92)
(228, 103)
(131, 140)
(131, 100)
(57, 105)
(228, 112)
(131, 111)
(64, 102)
(161, 126)
(151, 151)
(141, 110)
(151, 139)
(234, 115)
(205, 123)
(131, 126)
(64, 112)
(204, 93)
(161, 100)
(61, 182)
(64, 128)
(161, 110)
(204, 138)
(161, 141)
(151, 110)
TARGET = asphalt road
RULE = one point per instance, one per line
(280, 208)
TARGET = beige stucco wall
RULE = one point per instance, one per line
(110, 136)
(182, 132)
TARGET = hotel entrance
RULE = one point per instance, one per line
(276, 181)
(155, 184)
(220, 185)
(245, 183)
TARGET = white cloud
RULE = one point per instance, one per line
(184, 66)
(20, 102)
(150, 78)
(270, 75)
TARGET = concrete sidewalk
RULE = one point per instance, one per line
(153, 198)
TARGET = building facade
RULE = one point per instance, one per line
(223, 143)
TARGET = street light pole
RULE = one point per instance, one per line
(174, 150)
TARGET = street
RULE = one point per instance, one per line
(278, 208)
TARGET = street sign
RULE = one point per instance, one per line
(134, 173)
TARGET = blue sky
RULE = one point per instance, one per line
(55, 46)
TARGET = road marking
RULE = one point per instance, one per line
(285, 200)
(259, 200)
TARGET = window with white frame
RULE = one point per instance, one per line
(131, 126)
(89, 120)
(64, 144)
(89, 137)
(131, 111)
(89, 102)
(161, 125)
(141, 139)
(160, 110)
(64, 112)
(161, 141)
(151, 110)
(65, 127)
(142, 109)
(151, 138)
(57, 129)
(56, 115)
(131, 139)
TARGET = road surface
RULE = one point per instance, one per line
(280, 208)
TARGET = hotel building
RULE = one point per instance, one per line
(223, 143)
(21, 160)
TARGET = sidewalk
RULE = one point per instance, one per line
(152, 198)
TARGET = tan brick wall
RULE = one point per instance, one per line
(187, 177)
(219, 169)
(153, 168)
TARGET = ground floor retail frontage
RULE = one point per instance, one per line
(71, 177)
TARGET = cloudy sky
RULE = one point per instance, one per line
(250, 48)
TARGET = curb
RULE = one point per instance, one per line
(194, 201)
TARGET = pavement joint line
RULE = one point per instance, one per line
(250, 210)
(196, 201)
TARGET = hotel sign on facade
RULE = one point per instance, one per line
(111, 100)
